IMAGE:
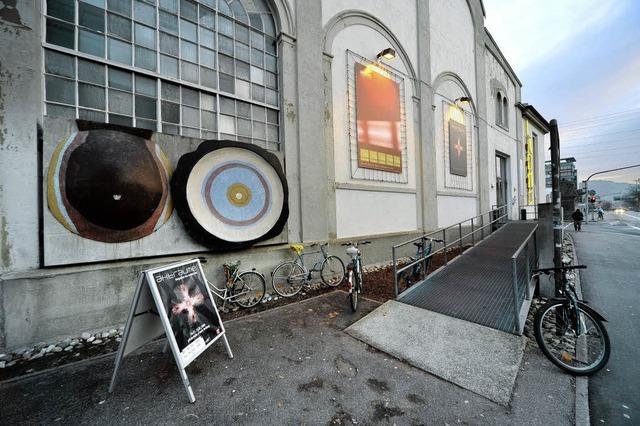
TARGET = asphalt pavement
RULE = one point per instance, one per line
(293, 365)
(611, 284)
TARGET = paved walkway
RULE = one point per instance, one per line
(293, 366)
(477, 286)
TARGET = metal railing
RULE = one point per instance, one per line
(494, 219)
(523, 262)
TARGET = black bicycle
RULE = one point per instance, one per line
(420, 270)
(354, 272)
(569, 332)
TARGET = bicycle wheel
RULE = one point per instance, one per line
(582, 355)
(353, 290)
(288, 278)
(332, 271)
(248, 289)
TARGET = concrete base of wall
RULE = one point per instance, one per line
(51, 304)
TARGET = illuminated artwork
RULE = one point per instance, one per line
(109, 184)
(378, 118)
(457, 148)
(230, 195)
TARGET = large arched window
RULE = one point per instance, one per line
(204, 69)
(505, 113)
(499, 108)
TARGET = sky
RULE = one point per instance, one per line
(579, 62)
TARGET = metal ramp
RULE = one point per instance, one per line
(489, 284)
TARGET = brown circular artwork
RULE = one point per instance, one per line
(109, 185)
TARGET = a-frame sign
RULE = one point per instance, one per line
(173, 300)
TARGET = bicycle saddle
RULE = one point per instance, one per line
(297, 248)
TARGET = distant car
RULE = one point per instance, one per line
(619, 211)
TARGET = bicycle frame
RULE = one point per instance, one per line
(316, 266)
(222, 293)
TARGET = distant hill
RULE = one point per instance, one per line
(606, 189)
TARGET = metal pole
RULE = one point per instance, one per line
(473, 234)
(460, 235)
(444, 238)
(516, 308)
(528, 276)
(395, 273)
(557, 205)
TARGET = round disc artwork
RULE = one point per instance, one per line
(108, 185)
(230, 194)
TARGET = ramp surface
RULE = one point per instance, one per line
(478, 285)
(480, 359)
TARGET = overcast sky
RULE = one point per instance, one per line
(579, 62)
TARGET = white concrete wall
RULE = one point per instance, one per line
(500, 139)
(452, 40)
(397, 15)
(367, 42)
(362, 213)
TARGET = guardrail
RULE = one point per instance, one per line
(523, 261)
(494, 219)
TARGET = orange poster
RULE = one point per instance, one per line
(378, 119)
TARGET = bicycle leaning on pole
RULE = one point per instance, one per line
(354, 272)
(569, 332)
(290, 276)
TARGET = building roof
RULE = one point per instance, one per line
(493, 48)
(529, 111)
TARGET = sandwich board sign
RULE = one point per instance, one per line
(173, 300)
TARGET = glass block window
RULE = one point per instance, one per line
(206, 69)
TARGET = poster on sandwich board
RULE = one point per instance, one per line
(173, 300)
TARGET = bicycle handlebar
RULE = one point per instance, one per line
(435, 240)
(547, 271)
(351, 243)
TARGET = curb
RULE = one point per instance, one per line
(582, 382)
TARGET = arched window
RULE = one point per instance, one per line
(204, 69)
(499, 108)
(505, 112)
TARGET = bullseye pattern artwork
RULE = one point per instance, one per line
(109, 185)
(230, 195)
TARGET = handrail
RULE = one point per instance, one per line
(445, 246)
(514, 275)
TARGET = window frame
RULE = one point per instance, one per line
(268, 141)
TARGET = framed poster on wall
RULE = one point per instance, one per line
(378, 120)
(457, 148)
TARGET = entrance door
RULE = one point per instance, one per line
(501, 180)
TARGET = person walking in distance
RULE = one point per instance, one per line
(577, 217)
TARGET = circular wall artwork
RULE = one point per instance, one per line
(109, 185)
(230, 194)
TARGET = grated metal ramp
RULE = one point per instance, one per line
(477, 286)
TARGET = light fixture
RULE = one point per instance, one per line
(464, 100)
(389, 53)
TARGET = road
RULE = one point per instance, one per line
(611, 284)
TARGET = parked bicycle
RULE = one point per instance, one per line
(569, 332)
(421, 269)
(354, 272)
(290, 276)
(244, 288)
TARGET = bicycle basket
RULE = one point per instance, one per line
(230, 268)
(297, 248)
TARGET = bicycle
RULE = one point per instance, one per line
(244, 288)
(290, 276)
(354, 272)
(417, 273)
(569, 332)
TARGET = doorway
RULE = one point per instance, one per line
(502, 177)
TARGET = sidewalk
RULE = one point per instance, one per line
(292, 365)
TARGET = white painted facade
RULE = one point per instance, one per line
(443, 53)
